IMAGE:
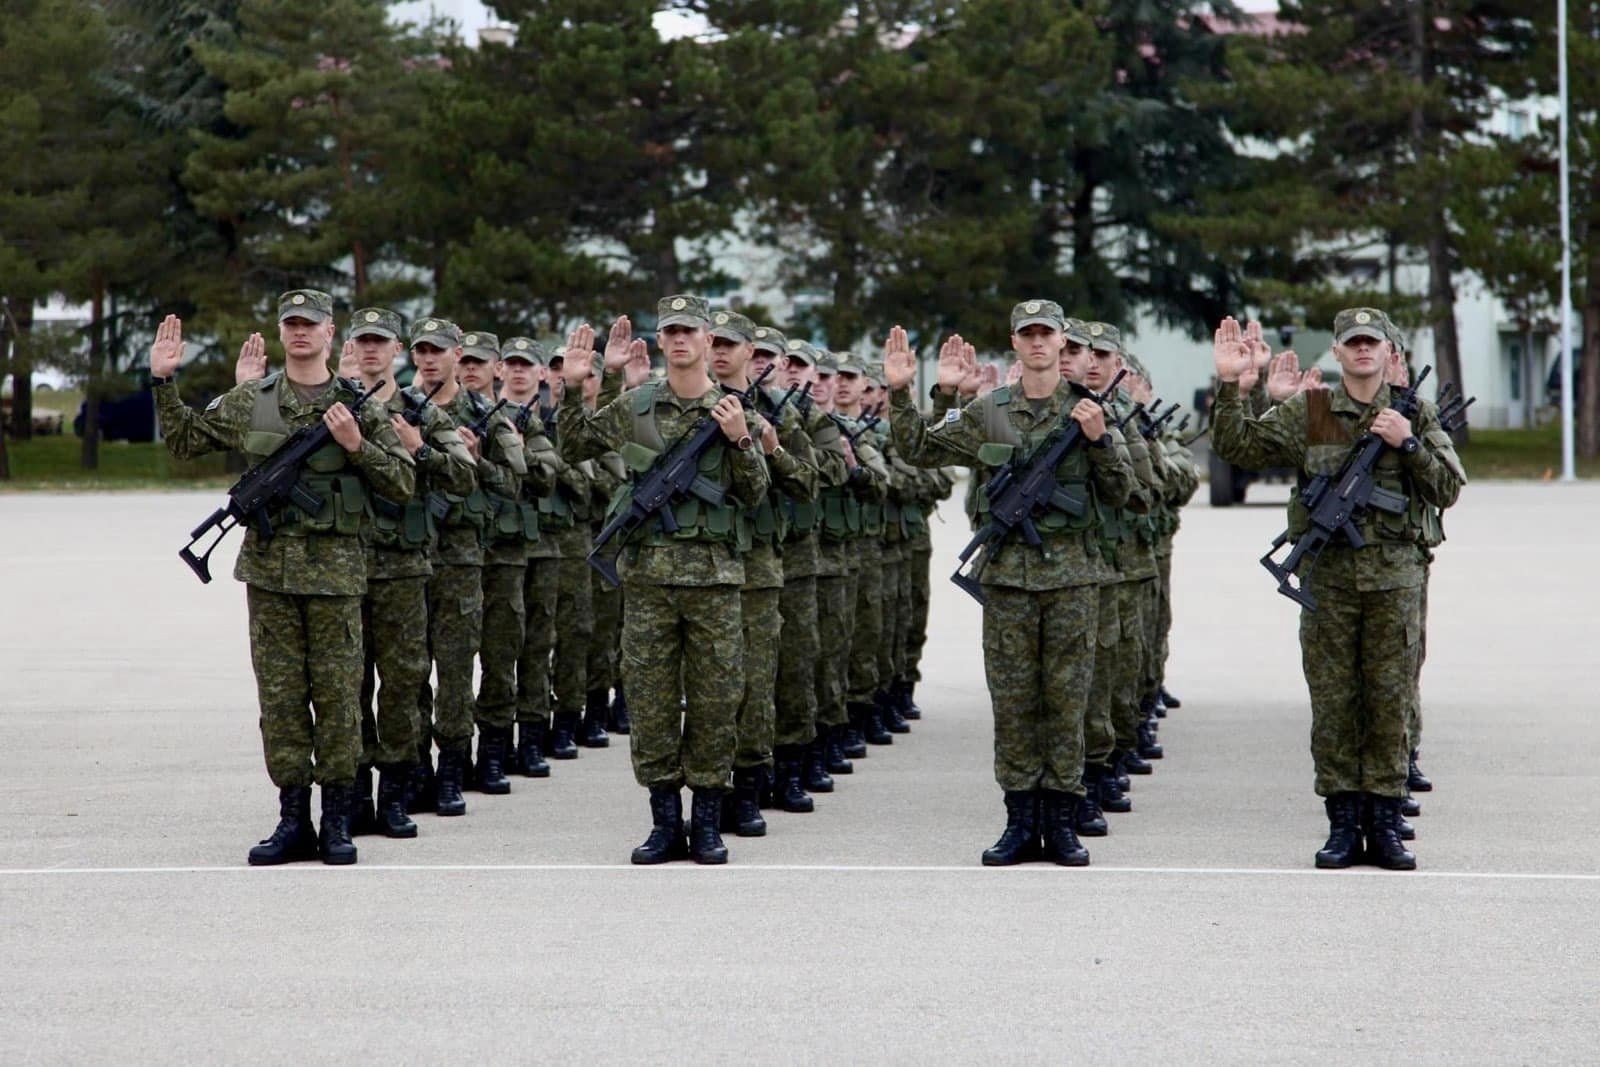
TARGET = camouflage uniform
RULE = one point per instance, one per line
(936, 486)
(541, 585)
(608, 475)
(681, 629)
(869, 483)
(305, 584)
(1361, 646)
(1183, 479)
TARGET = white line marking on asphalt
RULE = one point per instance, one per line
(485, 868)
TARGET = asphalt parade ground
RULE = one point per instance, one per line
(132, 786)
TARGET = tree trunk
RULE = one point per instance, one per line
(22, 369)
(90, 459)
(5, 361)
(1442, 313)
(1587, 380)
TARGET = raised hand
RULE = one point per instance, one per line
(166, 351)
(577, 360)
(252, 363)
(637, 370)
(1395, 372)
(349, 365)
(1014, 374)
(591, 389)
(899, 363)
(988, 378)
(1228, 349)
(1139, 389)
(1312, 380)
(619, 344)
(1260, 351)
(952, 363)
(972, 378)
(1284, 377)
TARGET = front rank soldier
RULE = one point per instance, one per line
(1361, 644)
(1041, 613)
(304, 583)
(394, 612)
(683, 645)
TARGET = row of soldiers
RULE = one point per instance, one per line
(454, 521)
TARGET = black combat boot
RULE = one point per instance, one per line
(592, 732)
(295, 838)
(816, 776)
(337, 848)
(1344, 831)
(492, 744)
(564, 728)
(620, 722)
(1019, 841)
(853, 743)
(838, 760)
(1149, 747)
(667, 840)
(705, 840)
(1133, 763)
(363, 819)
(888, 708)
(530, 750)
(1159, 706)
(1108, 789)
(1058, 813)
(743, 805)
(422, 791)
(1119, 772)
(870, 722)
(1410, 806)
(1168, 699)
(1091, 821)
(392, 818)
(1383, 835)
(908, 706)
(788, 790)
(1416, 781)
(1403, 827)
(452, 770)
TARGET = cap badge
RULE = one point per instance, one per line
(761, 332)
(298, 298)
(1096, 329)
(470, 339)
(794, 346)
(722, 318)
(1363, 318)
(1032, 307)
(522, 344)
(679, 304)
(430, 325)
(372, 316)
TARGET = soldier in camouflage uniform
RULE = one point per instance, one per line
(933, 486)
(303, 584)
(394, 613)
(1041, 613)
(840, 524)
(682, 635)
(1362, 643)
(900, 515)
(607, 475)
(569, 676)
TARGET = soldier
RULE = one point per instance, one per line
(682, 634)
(304, 602)
(394, 613)
(1361, 644)
(839, 524)
(569, 674)
(900, 514)
(455, 589)
(1182, 480)
(1041, 612)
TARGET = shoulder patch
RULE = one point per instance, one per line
(953, 415)
(216, 402)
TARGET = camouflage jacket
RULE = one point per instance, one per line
(448, 467)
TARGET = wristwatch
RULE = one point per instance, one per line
(154, 381)
(777, 452)
(421, 454)
(1103, 441)
(1410, 446)
(745, 443)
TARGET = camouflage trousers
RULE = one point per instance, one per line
(1360, 653)
(1149, 635)
(306, 651)
(538, 640)
(1163, 618)
(799, 647)
(919, 564)
(575, 610)
(605, 643)
(867, 633)
(394, 625)
(1115, 674)
(1414, 718)
(682, 641)
(500, 643)
(455, 621)
(762, 622)
(836, 614)
(891, 646)
(1038, 656)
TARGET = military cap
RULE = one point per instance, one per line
(476, 344)
(1037, 312)
(382, 322)
(850, 363)
(1361, 322)
(1397, 337)
(827, 362)
(771, 339)
(804, 351)
(682, 310)
(732, 326)
(1077, 331)
(441, 333)
(525, 349)
(1131, 361)
(875, 375)
(311, 304)
(1104, 337)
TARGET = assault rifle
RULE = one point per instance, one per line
(854, 435)
(674, 475)
(414, 407)
(1453, 409)
(1337, 504)
(1150, 424)
(481, 426)
(1023, 488)
(268, 485)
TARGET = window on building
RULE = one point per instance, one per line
(1516, 371)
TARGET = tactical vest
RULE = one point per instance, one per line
(1003, 441)
(840, 513)
(1328, 442)
(328, 474)
(697, 520)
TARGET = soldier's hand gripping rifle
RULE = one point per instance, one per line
(414, 407)
(481, 427)
(1022, 489)
(1337, 504)
(268, 485)
(673, 476)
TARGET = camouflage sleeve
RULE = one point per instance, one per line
(1143, 493)
(221, 426)
(1435, 469)
(953, 441)
(1112, 471)
(612, 385)
(827, 448)
(449, 466)
(749, 481)
(794, 472)
(942, 403)
(1185, 478)
(1275, 439)
(584, 434)
(871, 482)
(382, 459)
(540, 456)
